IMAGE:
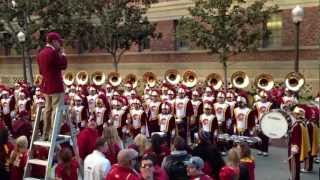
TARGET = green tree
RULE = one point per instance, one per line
(120, 24)
(226, 27)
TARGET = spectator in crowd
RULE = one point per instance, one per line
(231, 170)
(68, 167)
(110, 134)
(246, 160)
(210, 154)
(174, 164)
(141, 142)
(124, 169)
(18, 158)
(149, 170)
(96, 165)
(194, 169)
(158, 148)
(5, 150)
(22, 126)
(87, 138)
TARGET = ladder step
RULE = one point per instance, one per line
(63, 138)
(42, 143)
(31, 178)
(38, 162)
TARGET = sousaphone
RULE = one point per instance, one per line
(68, 78)
(172, 76)
(150, 79)
(264, 82)
(131, 78)
(240, 80)
(114, 79)
(189, 79)
(98, 78)
(82, 78)
(294, 81)
(214, 80)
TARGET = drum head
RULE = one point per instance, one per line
(274, 125)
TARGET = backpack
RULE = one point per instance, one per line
(176, 168)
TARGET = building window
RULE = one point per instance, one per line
(274, 28)
(181, 44)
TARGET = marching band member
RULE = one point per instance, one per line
(288, 100)
(79, 112)
(154, 110)
(7, 104)
(109, 92)
(164, 92)
(167, 121)
(101, 112)
(243, 118)
(138, 117)
(208, 95)
(91, 98)
(127, 91)
(222, 112)
(23, 103)
(208, 121)
(312, 117)
(197, 111)
(183, 112)
(118, 117)
(260, 108)
(298, 143)
(171, 99)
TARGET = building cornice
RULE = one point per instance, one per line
(175, 9)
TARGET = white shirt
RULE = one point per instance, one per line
(96, 166)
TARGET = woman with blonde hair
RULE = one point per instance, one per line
(18, 158)
(231, 170)
(110, 134)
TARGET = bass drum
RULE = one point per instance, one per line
(275, 124)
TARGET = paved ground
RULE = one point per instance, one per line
(275, 167)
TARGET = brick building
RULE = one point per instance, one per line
(276, 55)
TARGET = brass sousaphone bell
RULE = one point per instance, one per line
(150, 79)
(114, 79)
(131, 78)
(189, 79)
(214, 80)
(240, 80)
(264, 82)
(68, 78)
(82, 78)
(98, 78)
(172, 76)
(294, 81)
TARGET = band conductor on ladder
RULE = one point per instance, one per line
(51, 60)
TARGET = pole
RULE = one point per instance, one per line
(296, 63)
(26, 27)
(24, 64)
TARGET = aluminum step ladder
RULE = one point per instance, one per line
(55, 139)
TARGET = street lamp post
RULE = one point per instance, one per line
(297, 17)
(22, 38)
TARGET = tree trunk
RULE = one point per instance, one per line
(115, 65)
(225, 75)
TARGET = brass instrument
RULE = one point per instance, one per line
(189, 79)
(150, 79)
(240, 80)
(131, 78)
(264, 82)
(294, 81)
(114, 79)
(214, 80)
(98, 78)
(68, 78)
(172, 76)
(82, 78)
(37, 80)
